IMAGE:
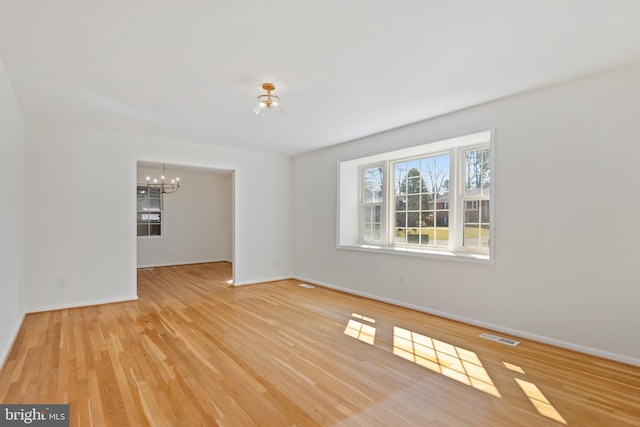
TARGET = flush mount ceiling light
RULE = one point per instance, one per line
(267, 102)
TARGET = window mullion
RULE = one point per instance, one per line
(456, 231)
(387, 192)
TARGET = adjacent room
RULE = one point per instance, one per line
(347, 213)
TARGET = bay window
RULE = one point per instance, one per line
(429, 199)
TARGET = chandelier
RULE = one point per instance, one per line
(163, 187)
(267, 102)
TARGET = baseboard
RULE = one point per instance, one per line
(254, 282)
(498, 328)
(80, 304)
(181, 263)
(11, 342)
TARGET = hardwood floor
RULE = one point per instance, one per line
(193, 351)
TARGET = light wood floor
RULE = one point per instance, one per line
(194, 351)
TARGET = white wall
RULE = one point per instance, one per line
(197, 223)
(566, 248)
(12, 168)
(81, 200)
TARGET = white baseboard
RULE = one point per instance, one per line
(513, 332)
(80, 304)
(256, 281)
(12, 339)
(181, 263)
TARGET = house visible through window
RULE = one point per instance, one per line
(421, 191)
(149, 211)
(432, 198)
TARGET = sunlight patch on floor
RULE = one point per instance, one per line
(449, 360)
(361, 331)
(539, 401)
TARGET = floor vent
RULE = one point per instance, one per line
(306, 285)
(502, 340)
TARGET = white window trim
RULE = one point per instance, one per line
(345, 239)
(383, 213)
(163, 219)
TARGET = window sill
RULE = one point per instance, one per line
(423, 253)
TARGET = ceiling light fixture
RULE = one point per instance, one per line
(163, 187)
(267, 102)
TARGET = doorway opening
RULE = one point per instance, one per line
(192, 225)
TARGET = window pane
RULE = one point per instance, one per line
(471, 236)
(400, 235)
(413, 182)
(154, 204)
(375, 232)
(484, 211)
(426, 218)
(477, 172)
(425, 237)
(426, 202)
(366, 214)
(366, 232)
(435, 173)
(401, 219)
(372, 185)
(141, 203)
(476, 234)
(442, 218)
(413, 219)
(400, 184)
(485, 233)
(146, 217)
(486, 172)
(143, 230)
(408, 178)
(471, 213)
(154, 230)
(413, 202)
(442, 235)
(401, 203)
(413, 236)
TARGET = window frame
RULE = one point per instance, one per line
(349, 232)
(462, 198)
(392, 166)
(362, 204)
(149, 211)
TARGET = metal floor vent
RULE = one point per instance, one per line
(496, 338)
(306, 285)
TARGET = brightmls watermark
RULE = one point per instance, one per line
(34, 415)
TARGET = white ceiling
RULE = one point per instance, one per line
(344, 68)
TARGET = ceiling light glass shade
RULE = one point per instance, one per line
(268, 103)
